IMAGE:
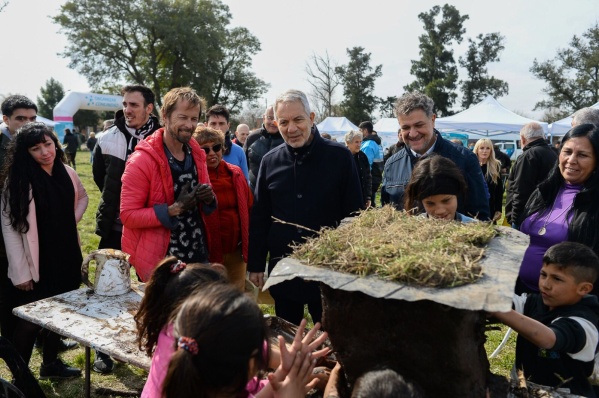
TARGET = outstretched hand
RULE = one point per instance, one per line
(304, 345)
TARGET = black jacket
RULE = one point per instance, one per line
(364, 174)
(552, 367)
(314, 186)
(530, 169)
(259, 145)
(495, 192)
(72, 143)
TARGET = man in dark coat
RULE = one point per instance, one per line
(417, 123)
(308, 183)
(530, 169)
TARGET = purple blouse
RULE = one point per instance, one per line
(556, 231)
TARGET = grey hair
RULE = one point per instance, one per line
(349, 137)
(532, 130)
(412, 101)
(585, 116)
(292, 96)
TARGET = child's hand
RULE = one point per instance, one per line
(304, 345)
(297, 381)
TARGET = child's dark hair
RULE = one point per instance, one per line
(432, 175)
(164, 293)
(218, 330)
(579, 258)
(382, 384)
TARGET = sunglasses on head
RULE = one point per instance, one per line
(214, 148)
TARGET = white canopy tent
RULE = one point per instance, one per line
(487, 118)
(387, 125)
(47, 122)
(336, 125)
(562, 126)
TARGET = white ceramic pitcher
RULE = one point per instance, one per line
(112, 272)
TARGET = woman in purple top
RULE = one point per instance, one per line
(564, 207)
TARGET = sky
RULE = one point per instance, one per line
(290, 32)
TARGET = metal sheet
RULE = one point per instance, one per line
(492, 292)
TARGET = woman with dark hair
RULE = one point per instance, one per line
(42, 202)
(353, 141)
(436, 185)
(564, 207)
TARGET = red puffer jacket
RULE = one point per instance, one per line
(147, 181)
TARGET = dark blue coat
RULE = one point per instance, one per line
(314, 186)
(398, 171)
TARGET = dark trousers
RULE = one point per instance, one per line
(71, 159)
(112, 241)
(7, 301)
(26, 332)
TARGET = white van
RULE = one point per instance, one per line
(512, 148)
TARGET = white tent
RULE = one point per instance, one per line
(561, 127)
(336, 126)
(387, 125)
(47, 122)
(487, 118)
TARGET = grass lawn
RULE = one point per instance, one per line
(128, 378)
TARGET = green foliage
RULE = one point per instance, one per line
(86, 118)
(387, 106)
(358, 85)
(51, 95)
(479, 84)
(436, 72)
(137, 42)
(572, 77)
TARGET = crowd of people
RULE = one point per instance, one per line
(200, 209)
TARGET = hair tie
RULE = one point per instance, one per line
(188, 344)
(178, 267)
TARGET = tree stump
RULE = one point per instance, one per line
(439, 348)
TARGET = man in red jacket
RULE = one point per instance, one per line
(166, 190)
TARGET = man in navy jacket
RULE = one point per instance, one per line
(417, 123)
(308, 183)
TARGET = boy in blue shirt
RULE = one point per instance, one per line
(557, 329)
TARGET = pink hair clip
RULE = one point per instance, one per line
(188, 344)
(178, 267)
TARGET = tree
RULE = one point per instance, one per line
(51, 95)
(3, 4)
(436, 72)
(324, 80)
(358, 85)
(144, 46)
(572, 77)
(479, 84)
(86, 118)
(387, 106)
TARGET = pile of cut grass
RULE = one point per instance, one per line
(397, 247)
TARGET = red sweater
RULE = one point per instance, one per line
(234, 202)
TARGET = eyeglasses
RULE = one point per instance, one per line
(214, 148)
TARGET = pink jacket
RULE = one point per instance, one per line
(23, 249)
(147, 181)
